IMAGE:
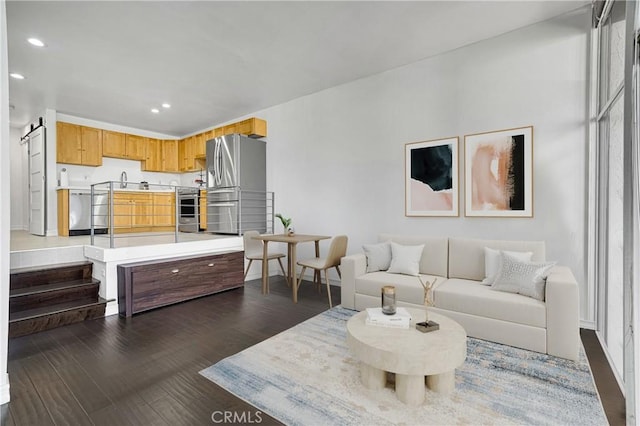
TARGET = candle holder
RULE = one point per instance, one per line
(388, 294)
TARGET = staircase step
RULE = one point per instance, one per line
(44, 318)
(82, 291)
(39, 275)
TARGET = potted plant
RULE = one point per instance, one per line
(286, 223)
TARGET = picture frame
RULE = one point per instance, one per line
(498, 168)
(432, 178)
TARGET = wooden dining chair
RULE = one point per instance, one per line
(337, 250)
(254, 250)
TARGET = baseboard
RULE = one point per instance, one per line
(5, 396)
(610, 361)
(590, 325)
(111, 309)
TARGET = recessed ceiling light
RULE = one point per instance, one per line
(166, 105)
(17, 76)
(155, 110)
(35, 42)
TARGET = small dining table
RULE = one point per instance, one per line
(292, 242)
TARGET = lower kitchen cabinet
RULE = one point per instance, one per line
(164, 211)
(203, 209)
(155, 283)
(132, 211)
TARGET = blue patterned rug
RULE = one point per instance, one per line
(306, 376)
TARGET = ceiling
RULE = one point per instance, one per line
(217, 61)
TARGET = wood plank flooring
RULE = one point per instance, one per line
(144, 370)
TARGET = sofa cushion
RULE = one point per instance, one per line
(434, 260)
(466, 256)
(378, 256)
(405, 259)
(471, 297)
(408, 288)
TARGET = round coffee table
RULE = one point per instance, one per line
(409, 353)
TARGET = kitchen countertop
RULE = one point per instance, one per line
(88, 188)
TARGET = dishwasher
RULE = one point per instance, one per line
(80, 212)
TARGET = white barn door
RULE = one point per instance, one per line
(37, 182)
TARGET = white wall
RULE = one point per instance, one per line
(5, 212)
(19, 182)
(335, 158)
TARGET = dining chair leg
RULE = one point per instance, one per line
(338, 269)
(284, 273)
(304, 268)
(326, 278)
(247, 271)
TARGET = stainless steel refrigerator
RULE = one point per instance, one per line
(236, 185)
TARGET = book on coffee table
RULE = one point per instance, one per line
(401, 319)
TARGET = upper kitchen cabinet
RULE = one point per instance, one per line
(124, 145)
(114, 144)
(188, 161)
(77, 144)
(136, 147)
(170, 156)
(153, 161)
(200, 145)
(252, 127)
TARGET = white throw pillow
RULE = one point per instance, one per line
(378, 256)
(492, 262)
(522, 277)
(405, 259)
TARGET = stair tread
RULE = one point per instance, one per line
(44, 268)
(53, 309)
(25, 291)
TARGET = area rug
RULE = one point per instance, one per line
(306, 376)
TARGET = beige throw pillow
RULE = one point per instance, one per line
(522, 277)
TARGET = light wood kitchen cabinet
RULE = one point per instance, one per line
(77, 144)
(142, 211)
(186, 154)
(199, 146)
(203, 209)
(136, 147)
(91, 146)
(170, 156)
(122, 212)
(252, 127)
(132, 211)
(114, 144)
(164, 210)
(153, 161)
(63, 212)
(219, 131)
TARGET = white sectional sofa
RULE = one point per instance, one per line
(458, 265)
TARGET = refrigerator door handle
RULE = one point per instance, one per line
(218, 157)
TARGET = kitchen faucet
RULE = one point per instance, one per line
(123, 180)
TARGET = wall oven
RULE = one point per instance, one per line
(189, 209)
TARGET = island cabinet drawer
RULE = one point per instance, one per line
(147, 285)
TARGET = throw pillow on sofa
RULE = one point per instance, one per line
(522, 277)
(405, 259)
(492, 262)
(378, 256)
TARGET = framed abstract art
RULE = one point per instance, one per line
(498, 169)
(431, 178)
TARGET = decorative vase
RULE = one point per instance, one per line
(290, 230)
(388, 300)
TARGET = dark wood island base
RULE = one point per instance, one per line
(155, 283)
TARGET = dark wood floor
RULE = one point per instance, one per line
(144, 370)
